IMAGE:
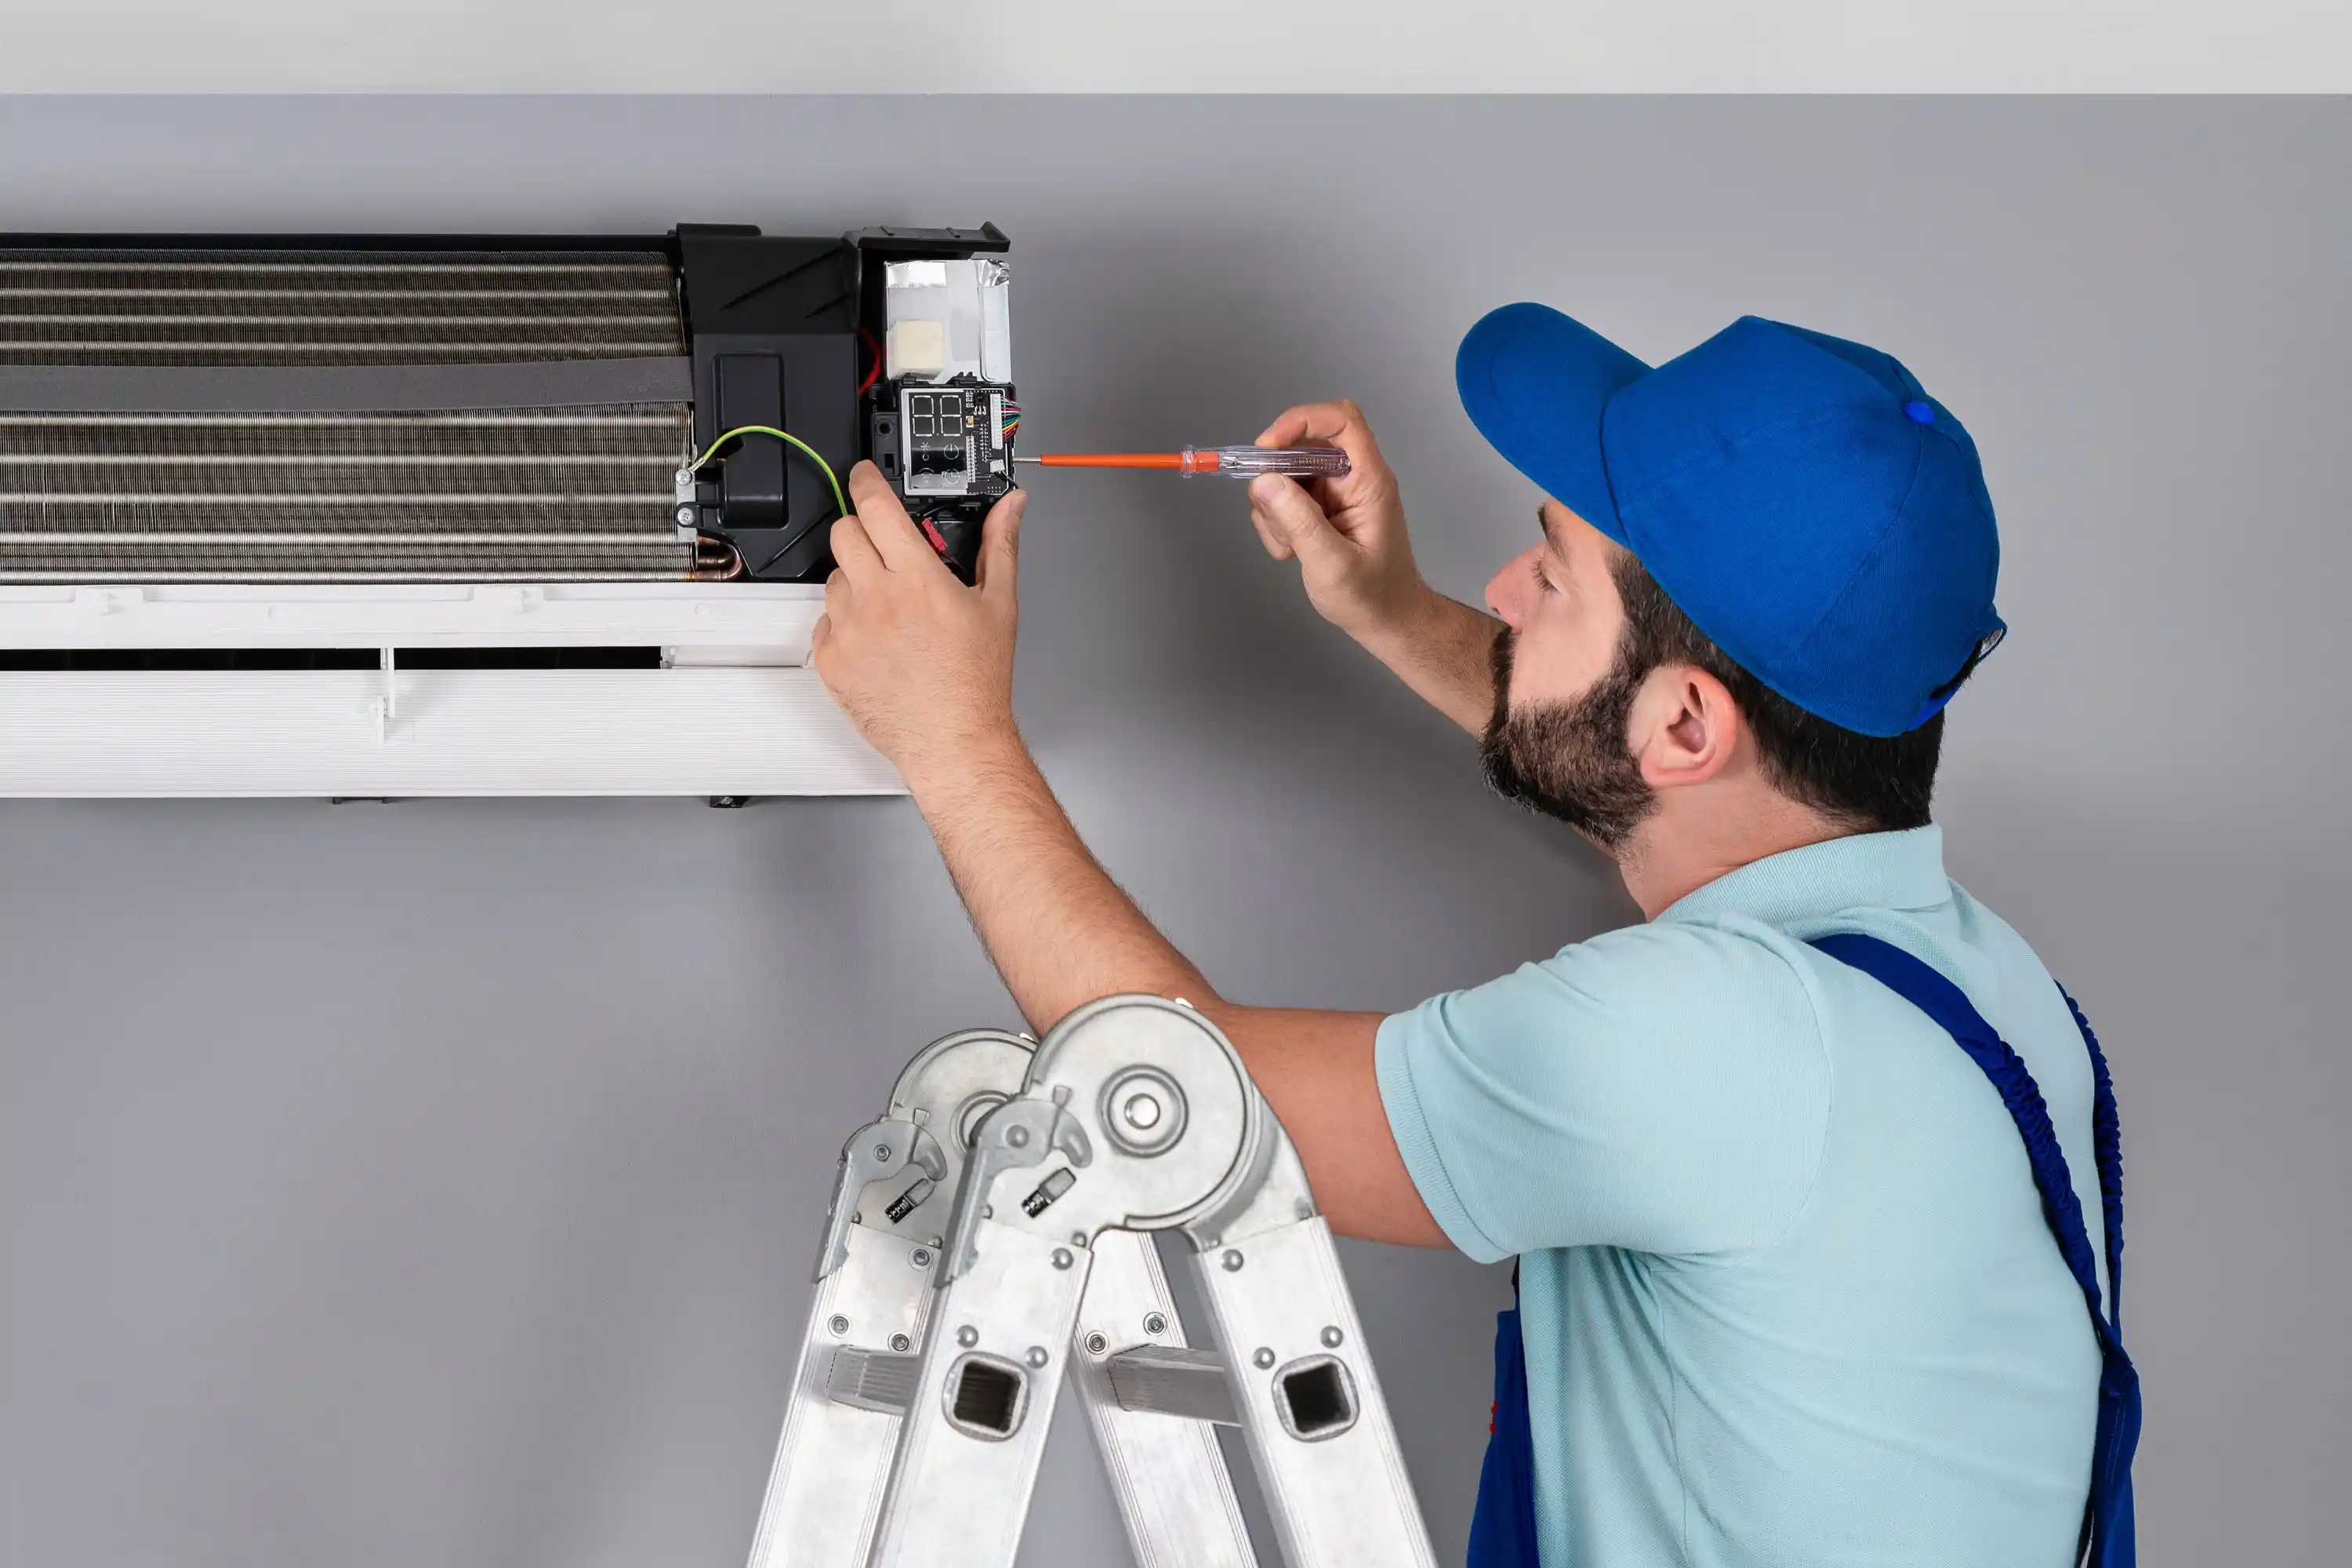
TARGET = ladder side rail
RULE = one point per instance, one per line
(975, 1433)
(894, 1189)
(833, 1460)
(1308, 1398)
(1167, 1473)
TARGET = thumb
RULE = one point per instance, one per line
(1000, 547)
(1294, 514)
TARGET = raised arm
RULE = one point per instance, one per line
(1348, 538)
(924, 665)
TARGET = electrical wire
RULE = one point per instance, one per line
(875, 373)
(825, 468)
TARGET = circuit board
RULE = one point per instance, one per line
(951, 442)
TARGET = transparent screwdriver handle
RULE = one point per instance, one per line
(1248, 462)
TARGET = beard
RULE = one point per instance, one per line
(1568, 758)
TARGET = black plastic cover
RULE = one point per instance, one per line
(771, 323)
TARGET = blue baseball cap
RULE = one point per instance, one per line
(1801, 497)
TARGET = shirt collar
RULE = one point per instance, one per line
(1862, 870)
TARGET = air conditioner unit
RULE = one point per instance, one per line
(386, 516)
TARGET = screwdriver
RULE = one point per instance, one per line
(1236, 462)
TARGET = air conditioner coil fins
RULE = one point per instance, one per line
(131, 449)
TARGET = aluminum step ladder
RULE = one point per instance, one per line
(991, 1234)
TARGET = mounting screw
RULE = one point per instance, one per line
(966, 1336)
(1232, 1259)
(1262, 1358)
(1017, 1136)
(1061, 1258)
(838, 1324)
(1155, 1322)
(1331, 1337)
(1036, 1356)
(901, 1343)
(882, 1151)
(685, 476)
(920, 1257)
(1097, 1343)
(687, 515)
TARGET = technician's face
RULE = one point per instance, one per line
(1560, 602)
(1564, 687)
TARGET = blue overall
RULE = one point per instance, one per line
(1502, 1528)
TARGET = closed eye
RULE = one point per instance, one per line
(1545, 580)
(1544, 564)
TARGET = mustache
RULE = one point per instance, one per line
(1498, 664)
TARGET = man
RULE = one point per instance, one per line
(1788, 1293)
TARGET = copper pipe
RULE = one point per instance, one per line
(709, 555)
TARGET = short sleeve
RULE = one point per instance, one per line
(1662, 1088)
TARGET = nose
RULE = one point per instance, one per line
(1507, 589)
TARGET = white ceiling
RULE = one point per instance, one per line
(1255, 46)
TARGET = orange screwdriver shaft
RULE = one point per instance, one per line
(1192, 462)
(1236, 462)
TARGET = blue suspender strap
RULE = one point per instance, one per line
(1503, 1527)
(2108, 1520)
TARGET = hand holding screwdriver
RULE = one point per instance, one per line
(1348, 535)
(1346, 530)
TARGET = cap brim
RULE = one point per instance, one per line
(1535, 383)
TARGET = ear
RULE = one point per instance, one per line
(1683, 729)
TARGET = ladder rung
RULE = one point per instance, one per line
(1168, 1380)
(871, 1380)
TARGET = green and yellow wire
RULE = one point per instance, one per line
(823, 467)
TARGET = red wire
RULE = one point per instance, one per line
(875, 373)
(930, 530)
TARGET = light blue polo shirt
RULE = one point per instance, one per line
(1786, 1287)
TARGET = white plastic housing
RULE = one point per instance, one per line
(735, 710)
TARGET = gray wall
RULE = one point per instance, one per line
(435, 1183)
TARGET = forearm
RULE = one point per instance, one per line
(1443, 650)
(1060, 932)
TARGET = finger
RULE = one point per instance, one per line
(1268, 535)
(1000, 547)
(897, 540)
(1289, 425)
(852, 551)
(1342, 425)
(1310, 422)
(1295, 517)
(820, 637)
